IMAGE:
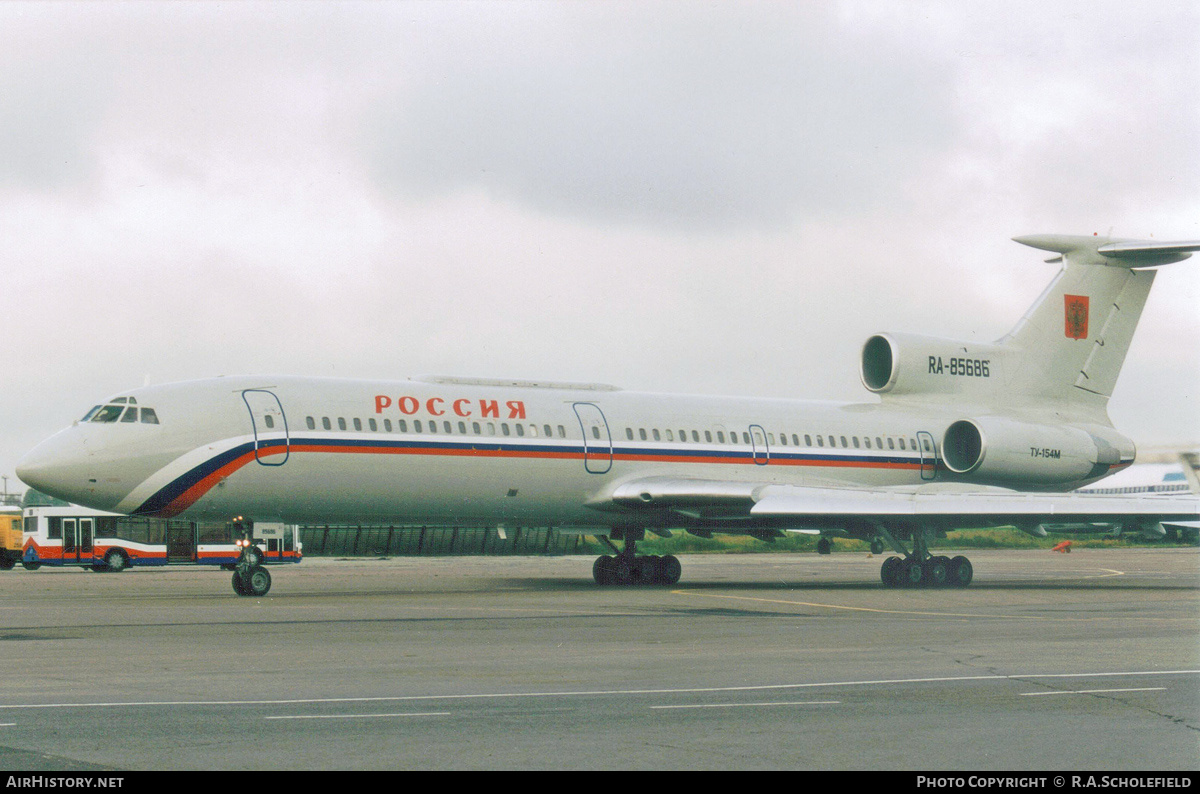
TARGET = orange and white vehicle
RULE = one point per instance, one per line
(81, 536)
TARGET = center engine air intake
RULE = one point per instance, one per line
(899, 364)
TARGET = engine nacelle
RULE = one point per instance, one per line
(999, 451)
(912, 364)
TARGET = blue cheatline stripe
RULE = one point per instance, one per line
(240, 455)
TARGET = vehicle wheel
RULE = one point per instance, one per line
(7, 563)
(116, 561)
(824, 546)
(31, 566)
(877, 546)
(669, 570)
(258, 581)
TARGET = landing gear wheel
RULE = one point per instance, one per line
(644, 570)
(935, 572)
(602, 570)
(254, 582)
(253, 556)
(622, 570)
(669, 570)
(824, 546)
(960, 572)
(116, 561)
(258, 581)
(912, 573)
(890, 572)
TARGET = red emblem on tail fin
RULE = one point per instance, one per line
(1076, 315)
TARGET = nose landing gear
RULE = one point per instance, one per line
(250, 578)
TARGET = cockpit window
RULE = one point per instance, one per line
(123, 409)
(108, 413)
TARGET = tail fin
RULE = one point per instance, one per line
(1071, 343)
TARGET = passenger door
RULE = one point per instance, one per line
(268, 422)
(597, 441)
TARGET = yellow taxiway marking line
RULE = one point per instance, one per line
(919, 613)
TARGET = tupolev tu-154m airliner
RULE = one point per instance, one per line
(962, 434)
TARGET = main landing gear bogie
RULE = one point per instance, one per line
(932, 572)
(628, 569)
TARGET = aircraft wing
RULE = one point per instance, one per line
(744, 505)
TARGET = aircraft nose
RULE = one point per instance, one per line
(59, 467)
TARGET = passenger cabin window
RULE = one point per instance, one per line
(341, 423)
(357, 424)
(325, 423)
(312, 425)
(269, 421)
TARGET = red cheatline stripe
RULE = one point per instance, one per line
(207, 483)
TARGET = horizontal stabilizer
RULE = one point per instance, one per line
(1101, 250)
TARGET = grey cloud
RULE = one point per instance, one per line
(660, 122)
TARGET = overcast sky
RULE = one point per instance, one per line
(716, 198)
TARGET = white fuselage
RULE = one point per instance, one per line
(468, 452)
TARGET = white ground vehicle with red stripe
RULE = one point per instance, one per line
(80, 536)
